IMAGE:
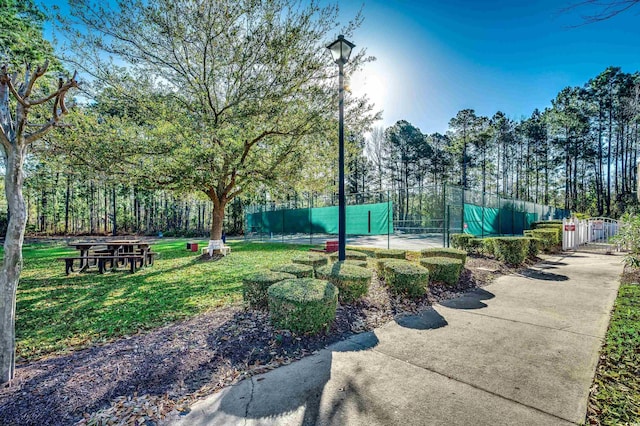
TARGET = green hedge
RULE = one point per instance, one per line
(406, 278)
(512, 250)
(460, 241)
(303, 305)
(391, 254)
(535, 245)
(297, 269)
(489, 246)
(548, 236)
(315, 260)
(254, 286)
(349, 254)
(556, 225)
(380, 264)
(353, 281)
(476, 245)
(360, 263)
(445, 252)
(443, 269)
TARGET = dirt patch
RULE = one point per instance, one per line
(146, 377)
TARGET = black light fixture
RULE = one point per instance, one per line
(341, 51)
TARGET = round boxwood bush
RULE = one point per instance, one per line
(445, 252)
(254, 286)
(297, 269)
(391, 254)
(315, 260)
(360, 263)
(349, 254)
(460, 241)
(353, 281)
(535, 245)
(303, 305)
(511, 250)
(380, 264)
(406, 278)
(443, 269)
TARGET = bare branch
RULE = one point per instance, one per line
(40, 71)
(608, 9)
(55, 114)
(5, 79)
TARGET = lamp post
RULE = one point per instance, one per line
(341, 50)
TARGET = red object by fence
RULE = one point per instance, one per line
(570, 227)
(331, 246)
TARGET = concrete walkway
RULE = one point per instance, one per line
(523, 351)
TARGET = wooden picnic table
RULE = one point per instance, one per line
(118, 250)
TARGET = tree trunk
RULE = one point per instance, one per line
(217, 221)
(12, 265)
(217, 217)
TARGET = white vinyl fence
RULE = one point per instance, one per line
(592, 234)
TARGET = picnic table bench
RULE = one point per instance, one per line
(102, 259)
(112, 252)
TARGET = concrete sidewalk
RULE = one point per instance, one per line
(523, 350)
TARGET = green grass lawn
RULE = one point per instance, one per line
(56, 312)
(616, 399)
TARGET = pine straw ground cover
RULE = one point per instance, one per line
(145, 376)
(615, 395)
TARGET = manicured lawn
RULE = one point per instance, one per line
(57, 312)
(616, 399)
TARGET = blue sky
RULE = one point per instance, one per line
(435, 58)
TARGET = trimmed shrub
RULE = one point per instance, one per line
(512, 250)
(314, 260)
(445, 252)
(528, 233)
(489, 246)
(353, 281)
(444, 269)
(535, 245)
(476, 245)
(548, 236)
(380, 264)
(369, 251)
(349, 254)
(556, 225)
(296, 269)
(460, 241)
(303, 305)
(254, 286)
(391, 254)
(360, 263)
(406, 278)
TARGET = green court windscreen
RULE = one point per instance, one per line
(364, 219)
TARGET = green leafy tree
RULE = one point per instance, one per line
(250, 84)
(21, 40)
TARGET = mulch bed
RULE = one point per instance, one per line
(144, 378)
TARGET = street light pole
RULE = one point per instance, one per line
(342, 210)
(341, 50)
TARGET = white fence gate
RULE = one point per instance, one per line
(589, 234)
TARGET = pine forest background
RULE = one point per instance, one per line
(579, 154)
